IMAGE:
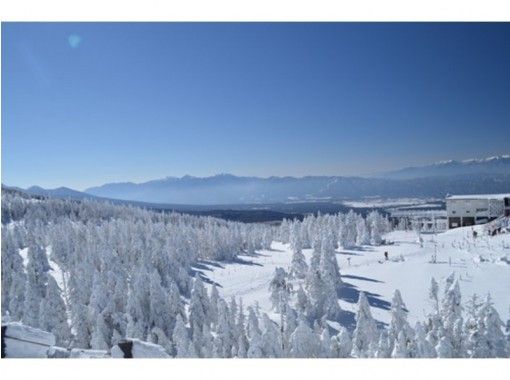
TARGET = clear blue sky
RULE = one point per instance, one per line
(84, 103)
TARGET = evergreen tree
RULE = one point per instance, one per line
(13, 277)
(280, 289)
(35, 289)
(271, 342)
(341, 346)
(298, 266)
(400, 326)
(181, 340)
(303, 342)
(53, 314)
(366, 328)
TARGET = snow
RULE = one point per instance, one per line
(479, 196)
(382, 202)
(141, 349)
(79, 353)
(26, 342)
(24, 255)
(16, 330)
(480, 264)
(55, 352)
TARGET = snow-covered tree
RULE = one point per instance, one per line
(13, 277)
(400, 333)
(298, 265)
(362, 232)
(280, 289)
(303, 342)
(53, 315)
(180, 337)
(341, 345)
(487, 339)
(349, 230)
(35, 289)
(366, 329)
(271, 339)
(199, 311)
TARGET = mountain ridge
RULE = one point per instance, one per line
(493, 164)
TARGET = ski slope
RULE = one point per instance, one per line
(482, 265)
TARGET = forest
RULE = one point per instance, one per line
(93, 273)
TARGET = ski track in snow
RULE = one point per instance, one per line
(249, 277)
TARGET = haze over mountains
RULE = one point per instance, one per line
(469, 176)
(488, 175)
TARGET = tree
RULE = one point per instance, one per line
(138, 305)
(328, 263)
(181, 339)
(366, 328)
(214, 297)
(341, 345)
(223, 342)
(383, 346)
(35, 290)
(271, 339)
(444, 348)
(242, 340)
(159, 315)
(362, 234)
(199, 312)
(451, 314)
(280, 289)
(53, 314)
(423, 348)
(487, 340)
(326, 344)
(399, 330)
(255, 349)
(100, 338)
(13, 277)
(349, 232)
(303, 342)
(298, 266)
(330, 277)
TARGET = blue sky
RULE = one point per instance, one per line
(84, 103)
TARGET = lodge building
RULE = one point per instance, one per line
(468, 210)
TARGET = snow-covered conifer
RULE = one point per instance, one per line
(53, 314)
(298, 265)
(366, 328)
(35, 289)
(271, 339)
(280, 289)
(303, 342)
(341, 346)
(181, 339)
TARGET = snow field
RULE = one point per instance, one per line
(478, 264)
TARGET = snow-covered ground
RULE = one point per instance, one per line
(482, 265)
(390, 202)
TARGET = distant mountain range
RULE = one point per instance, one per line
(489, 165)
(490, 175)
(60, 192)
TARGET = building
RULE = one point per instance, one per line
(420, 220)
(468, 210)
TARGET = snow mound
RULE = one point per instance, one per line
(79, 353)
(20, 341)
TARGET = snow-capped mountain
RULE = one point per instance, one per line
(489, 165)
